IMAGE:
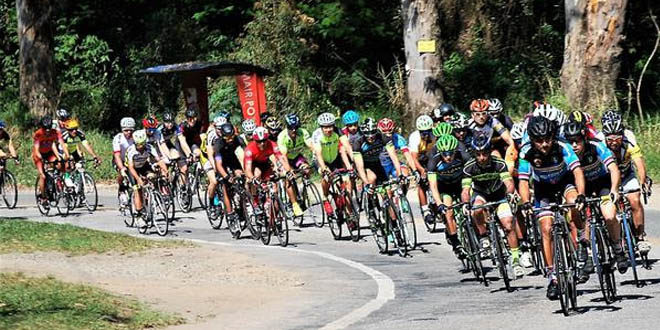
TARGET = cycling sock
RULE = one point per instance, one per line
(515, 254)
(425, 209)
(453, 240)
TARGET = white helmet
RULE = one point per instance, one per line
(326, 119)
(494, 106)
(550, 112)
(518, 130)
(248, 126)
(127, 122)
(424, 123)
(219, 120)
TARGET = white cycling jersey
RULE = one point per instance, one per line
(120, 144)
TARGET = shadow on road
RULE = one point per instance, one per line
(584, 309)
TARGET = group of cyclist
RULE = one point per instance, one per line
(458, 159)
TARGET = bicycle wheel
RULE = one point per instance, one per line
(183, 193)
(126, 211)
(463, 239)
(281, 224)
(250, 216)
(88, 191)
(628, 242)
(9, 189)
(333, 219)
(571, 266)
(201, 185)
(62, 199)
(502, 259)
(160, 219)
(430, 227)
(314, 204)
(561, 271)
(475, 253)
(534, 238)
(601, 262)
(216, 213)
(407, 222)
(147, 211)
(396, 229)
(168, 198)
(352, 221)
(375, 223)
(44, 208)
(266, 228)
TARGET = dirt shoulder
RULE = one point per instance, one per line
(198, 283)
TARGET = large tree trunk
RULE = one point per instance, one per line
(35, 34)
(591, 51)
(420, 22)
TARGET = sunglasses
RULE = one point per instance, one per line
(480, 113)
(575, 140)
(614, 138)
(446, 154)
(544, 139)
(351, 125)
(261, 141)
(128, 130)
(425, 133)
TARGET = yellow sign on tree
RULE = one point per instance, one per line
(426, 46)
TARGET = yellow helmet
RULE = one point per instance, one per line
(71, 124)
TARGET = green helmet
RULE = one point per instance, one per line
(442, 129)
(446, 142)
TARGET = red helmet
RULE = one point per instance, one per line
(150, 122)
(260, 133)
(479, 105)
(386, 125)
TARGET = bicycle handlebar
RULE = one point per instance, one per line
(488, 205)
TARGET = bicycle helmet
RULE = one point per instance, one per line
(424, 123)
(446, 142)
(350, 117)
(127, 123)
(461, 121)
(326, 119)
(260, 133)
(495, 106)
(150, 122)
(386, 125)
(219, 121)
(63, 114)
(573, 129)
(46, 122)
(227, 129)
(140, 137)
(613, 127)
(72, 124)
(443, 110)
(368, 126)
(292, 121)
(518, 131)
(479, 105)
(550, 112)
(248, 126)
(192, 111)
(578, 116)
(273, 124)
(539, 127)
(226, 114)
(2, 124)
(442, 129)
(264, 116)
(611, 115)
(481, 141)
(168, 117)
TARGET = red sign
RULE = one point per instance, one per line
(252, 94)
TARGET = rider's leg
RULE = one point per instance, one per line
(451, 222)
(479, 217)
(213, 182)
(42, 176)
(575, 219)
(637, 214)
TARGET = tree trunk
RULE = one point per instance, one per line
(591, 51)
(35, 34)
(420, 22)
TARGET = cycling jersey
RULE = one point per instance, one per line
(70, 141)
(549, 168)
(629, 150)
(485, 180)
(141, 158)
(505, 120)
(492, 127)
(399, 142)
(4, 139)
(329, 146)
(419, 145)
(375, 152)
(191, 133)
(446, 173)
(595, 159)
(226, 151)
(46, 138)
(155, 138)
(167, 135)
(290, 148)
(120, 144)
(253, 154)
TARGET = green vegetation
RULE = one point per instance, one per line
(46, 303)
(648, 136)
(27, 236)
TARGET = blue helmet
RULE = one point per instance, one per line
(350, 117)
(2, 124)
(292, 121)
(226, 114)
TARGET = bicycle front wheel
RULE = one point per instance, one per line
(376, 224)
(89, 192)
(160, 219)
(628, 242)
(475, 252)
(407, 222)
(502, 259)
(602, 263)
(313, 204)
(215, 213)
(9, 189)
(44, 208)
(62, 199)
(281, 224)
(183, 193)
(202, 184)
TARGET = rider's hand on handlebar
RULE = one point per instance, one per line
(527, 208)
(580, 201)
(466, 209)
(290, 175)
(369, 188)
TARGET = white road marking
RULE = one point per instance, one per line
(384, 283)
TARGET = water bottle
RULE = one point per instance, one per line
(216, 200)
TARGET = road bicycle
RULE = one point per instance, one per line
(344, 211)
(239, 221)
(8, 186)
(154, 209)
(602, 252)
(57, 194)
(85, 192)
(268, 212)
(309, 199)
(470, 241)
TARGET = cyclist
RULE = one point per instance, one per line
(351, 119)
(120, 144)
(443, 114)
(483, 122)
(47, 141)
(445, 171)
(627, 152)
(73, 137)
(274, 128)
(496, 110)
(155, 136)
(139, 160)
(462, 130)
(331, 152)
(602, 173)
(207, 158)
(168, 137)
(189, 138)
(63, 116)
(554, 168)
(586, 120)
(248, 127)
(6, 140)
(548, 111)
(420, 144)
(386, 127)
(227, 163)
(292, 142)
(486, 179)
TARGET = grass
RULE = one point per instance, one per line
(27, 236)
(26, 172)
(46, 303)
(648, 136)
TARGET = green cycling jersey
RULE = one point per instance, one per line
(290, 148)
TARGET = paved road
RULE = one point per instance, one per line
(429, 289)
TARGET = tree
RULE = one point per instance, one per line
(592, 51)
(35, 33)
(420, 22)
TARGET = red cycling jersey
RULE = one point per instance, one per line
(44, 139)
(252, 152)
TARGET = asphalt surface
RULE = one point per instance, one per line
(430, 291)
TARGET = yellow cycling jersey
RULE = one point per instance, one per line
(629, 150)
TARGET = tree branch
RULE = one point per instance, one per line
(646, 65)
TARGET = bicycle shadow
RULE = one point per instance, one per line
(517, 288)
(585, 309)
(13, 218)
(625, 297)
(643, 281)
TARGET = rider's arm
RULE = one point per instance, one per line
(318, 153)
(636, 156)
(395, 159)
(12, 150)
(218, 166)
(524, 172)
(248, 163)
(164, 150)
(433, 185)
(579, 179)
(281, 158)
(506, 136)
(35, 149)
(615, 175)
(415, 161)
(184, 145)
(346, 159)
(359, 164)
(523, 189)
(89, 149)
(131, 169)
(466, 183)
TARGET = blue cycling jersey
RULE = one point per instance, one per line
(549, 168)
(595, 159)
(399, 142)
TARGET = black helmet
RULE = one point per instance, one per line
(481, 141)
(193, 111)
(227, 129)
(444, 109)
(168, 117)
(46, 122)
(539, 127)
(264, 116)
(63, 114)
(574, 129)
